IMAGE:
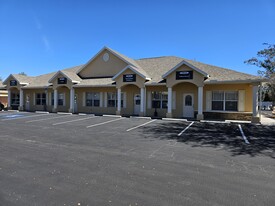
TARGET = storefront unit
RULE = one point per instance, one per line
(3, 95)
(111, 83)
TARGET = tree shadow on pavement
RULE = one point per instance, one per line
(217, 135)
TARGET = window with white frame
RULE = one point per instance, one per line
(159, 100)
(15, 98)
(92, 99)
(61, 99)
(40, 98)
(112, 99)
(225, 100)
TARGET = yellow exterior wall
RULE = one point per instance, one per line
(150, 112)
(4, 97)
(139, 80)
(95, 110)
(197, 77)
(56, 85)
(231, 87)
(180, 90)
(11, 87)
(99, 68)
(130, 91)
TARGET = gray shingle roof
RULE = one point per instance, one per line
(156, 67)
(2, 86)
(222, 74)
(150, 67)
(96, 82)
(23, 78)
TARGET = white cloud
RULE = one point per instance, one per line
(38, 23)
(46, 43)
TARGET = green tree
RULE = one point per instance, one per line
(22, 73)
(266, 61)
(1, 78)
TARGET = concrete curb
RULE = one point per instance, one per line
(41, 112)
(137, 117)
(174, 119)
(67, 113)
(109, 115)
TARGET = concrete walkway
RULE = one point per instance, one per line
(267, 118)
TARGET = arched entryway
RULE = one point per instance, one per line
(185, 97)
(131, 98)
(14, 98)
(61, 99)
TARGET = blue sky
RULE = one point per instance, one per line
(38, 37)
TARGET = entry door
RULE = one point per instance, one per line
(75, 103)
(27, 102)
(188, 105)
(136, 104)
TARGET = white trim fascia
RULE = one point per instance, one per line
(56, 73)
(131, 68)
(77, 82)
(234, 81)
(187, 64)
(79, 86)
(155, 84)
(60, 72)
(97, 54)
(5, 83)
(23, 83)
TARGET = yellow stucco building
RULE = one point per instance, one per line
(112, 83)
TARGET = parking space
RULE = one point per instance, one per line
(63, 159)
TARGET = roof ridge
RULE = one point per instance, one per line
(218, 67)
(157, 57)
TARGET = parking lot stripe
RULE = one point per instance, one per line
(140, 125)
(75, 120)
(38, 120)
(185, 129)
(94, 125)
(24, 117)
(244, 137)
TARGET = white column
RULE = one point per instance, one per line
(9, 99)
(72, 100)
(169, 109)
(255, 101)
(200, 100)
(55, 99)
(47, 97)
(21, 100)
(119, 100)
(141, 100)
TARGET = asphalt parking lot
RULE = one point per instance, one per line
(57, 159)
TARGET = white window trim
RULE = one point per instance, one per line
(224, 100)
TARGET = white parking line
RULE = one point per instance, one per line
(24, 117)
(185, 129)
(38, 120)
(140, 125)
(244, 137)
(75, 120)
(94, 125)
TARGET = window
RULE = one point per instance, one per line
(92, 99)
(15, 98)
(61, 99)
(159, 100)
(217, 100)
(231, 101)
(112, 99)
(40, 98)
(225, 101)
